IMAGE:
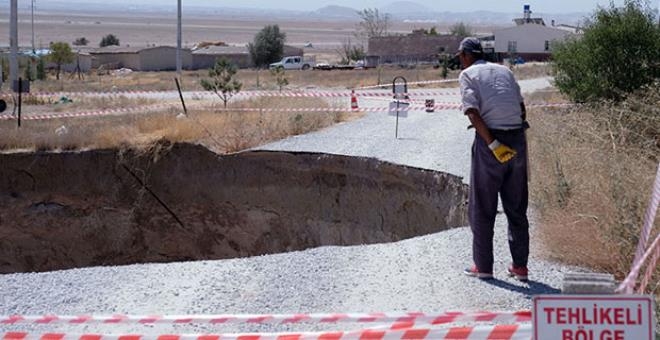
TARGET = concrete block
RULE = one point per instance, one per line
(588, 283)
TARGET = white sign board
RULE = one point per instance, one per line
(594, 317)
(400, 88)
(402, 108)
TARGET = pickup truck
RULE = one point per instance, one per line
(292, 63)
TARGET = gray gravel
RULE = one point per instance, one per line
(420, 274)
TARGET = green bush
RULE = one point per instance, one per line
(618, 54)
(109, 40)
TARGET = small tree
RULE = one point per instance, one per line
(372, 24)
(60, 54)
(461, 30)
(41, 69)
(445, 66)
(280, 77)
(109, 40)
(222, 82)
(27, 71)
(618, 54)
(5, 69)
(349, 52)
(82, 41)
(268, 46)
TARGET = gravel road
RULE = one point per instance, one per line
(420, 274)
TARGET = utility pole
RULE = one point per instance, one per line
(33, 49)
(178, 40)
(13, 42)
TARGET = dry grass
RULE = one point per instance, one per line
(532, 70)
(222, 131)
(593, 169)
(297, 79)
(82, 103)
(251, 79)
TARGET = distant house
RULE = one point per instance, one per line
(530, 39)
(206, 57)
(412, 48)
(570, 28)
(82, 62)
(290, 51)
(160, 58)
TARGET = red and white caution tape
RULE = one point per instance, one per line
(58, 115)
(248, 94)
(244, 93)
(409, 84)
(394, 318)
(500, 332)
(437, 106)
(90, 93)
(339, 94)
(654, 253)
(649, 218)
(157, 107)
(628, 285)
(331, 109)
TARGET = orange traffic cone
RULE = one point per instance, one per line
(354, 103)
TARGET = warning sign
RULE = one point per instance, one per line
(594, 317)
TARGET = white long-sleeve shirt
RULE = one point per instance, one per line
(493, 90)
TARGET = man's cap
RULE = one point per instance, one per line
(470, 44)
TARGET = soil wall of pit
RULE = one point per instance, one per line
(184, 202)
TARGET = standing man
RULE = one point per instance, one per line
(491, 99)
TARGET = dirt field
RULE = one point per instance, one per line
(141, 29)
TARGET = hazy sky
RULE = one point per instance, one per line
(506, 6)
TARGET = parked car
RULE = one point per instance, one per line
(292, 63)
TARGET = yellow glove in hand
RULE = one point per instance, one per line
(502, 152)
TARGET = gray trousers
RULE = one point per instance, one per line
(489, 178)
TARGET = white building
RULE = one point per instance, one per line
(530, 39)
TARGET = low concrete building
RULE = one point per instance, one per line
(206, 57)
(82, 62)
(411, 48)
(160, 58)
(290, 51)
(529, 41)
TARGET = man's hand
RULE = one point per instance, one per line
(502, 152)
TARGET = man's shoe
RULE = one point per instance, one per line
(520, 273)
(474, 272)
